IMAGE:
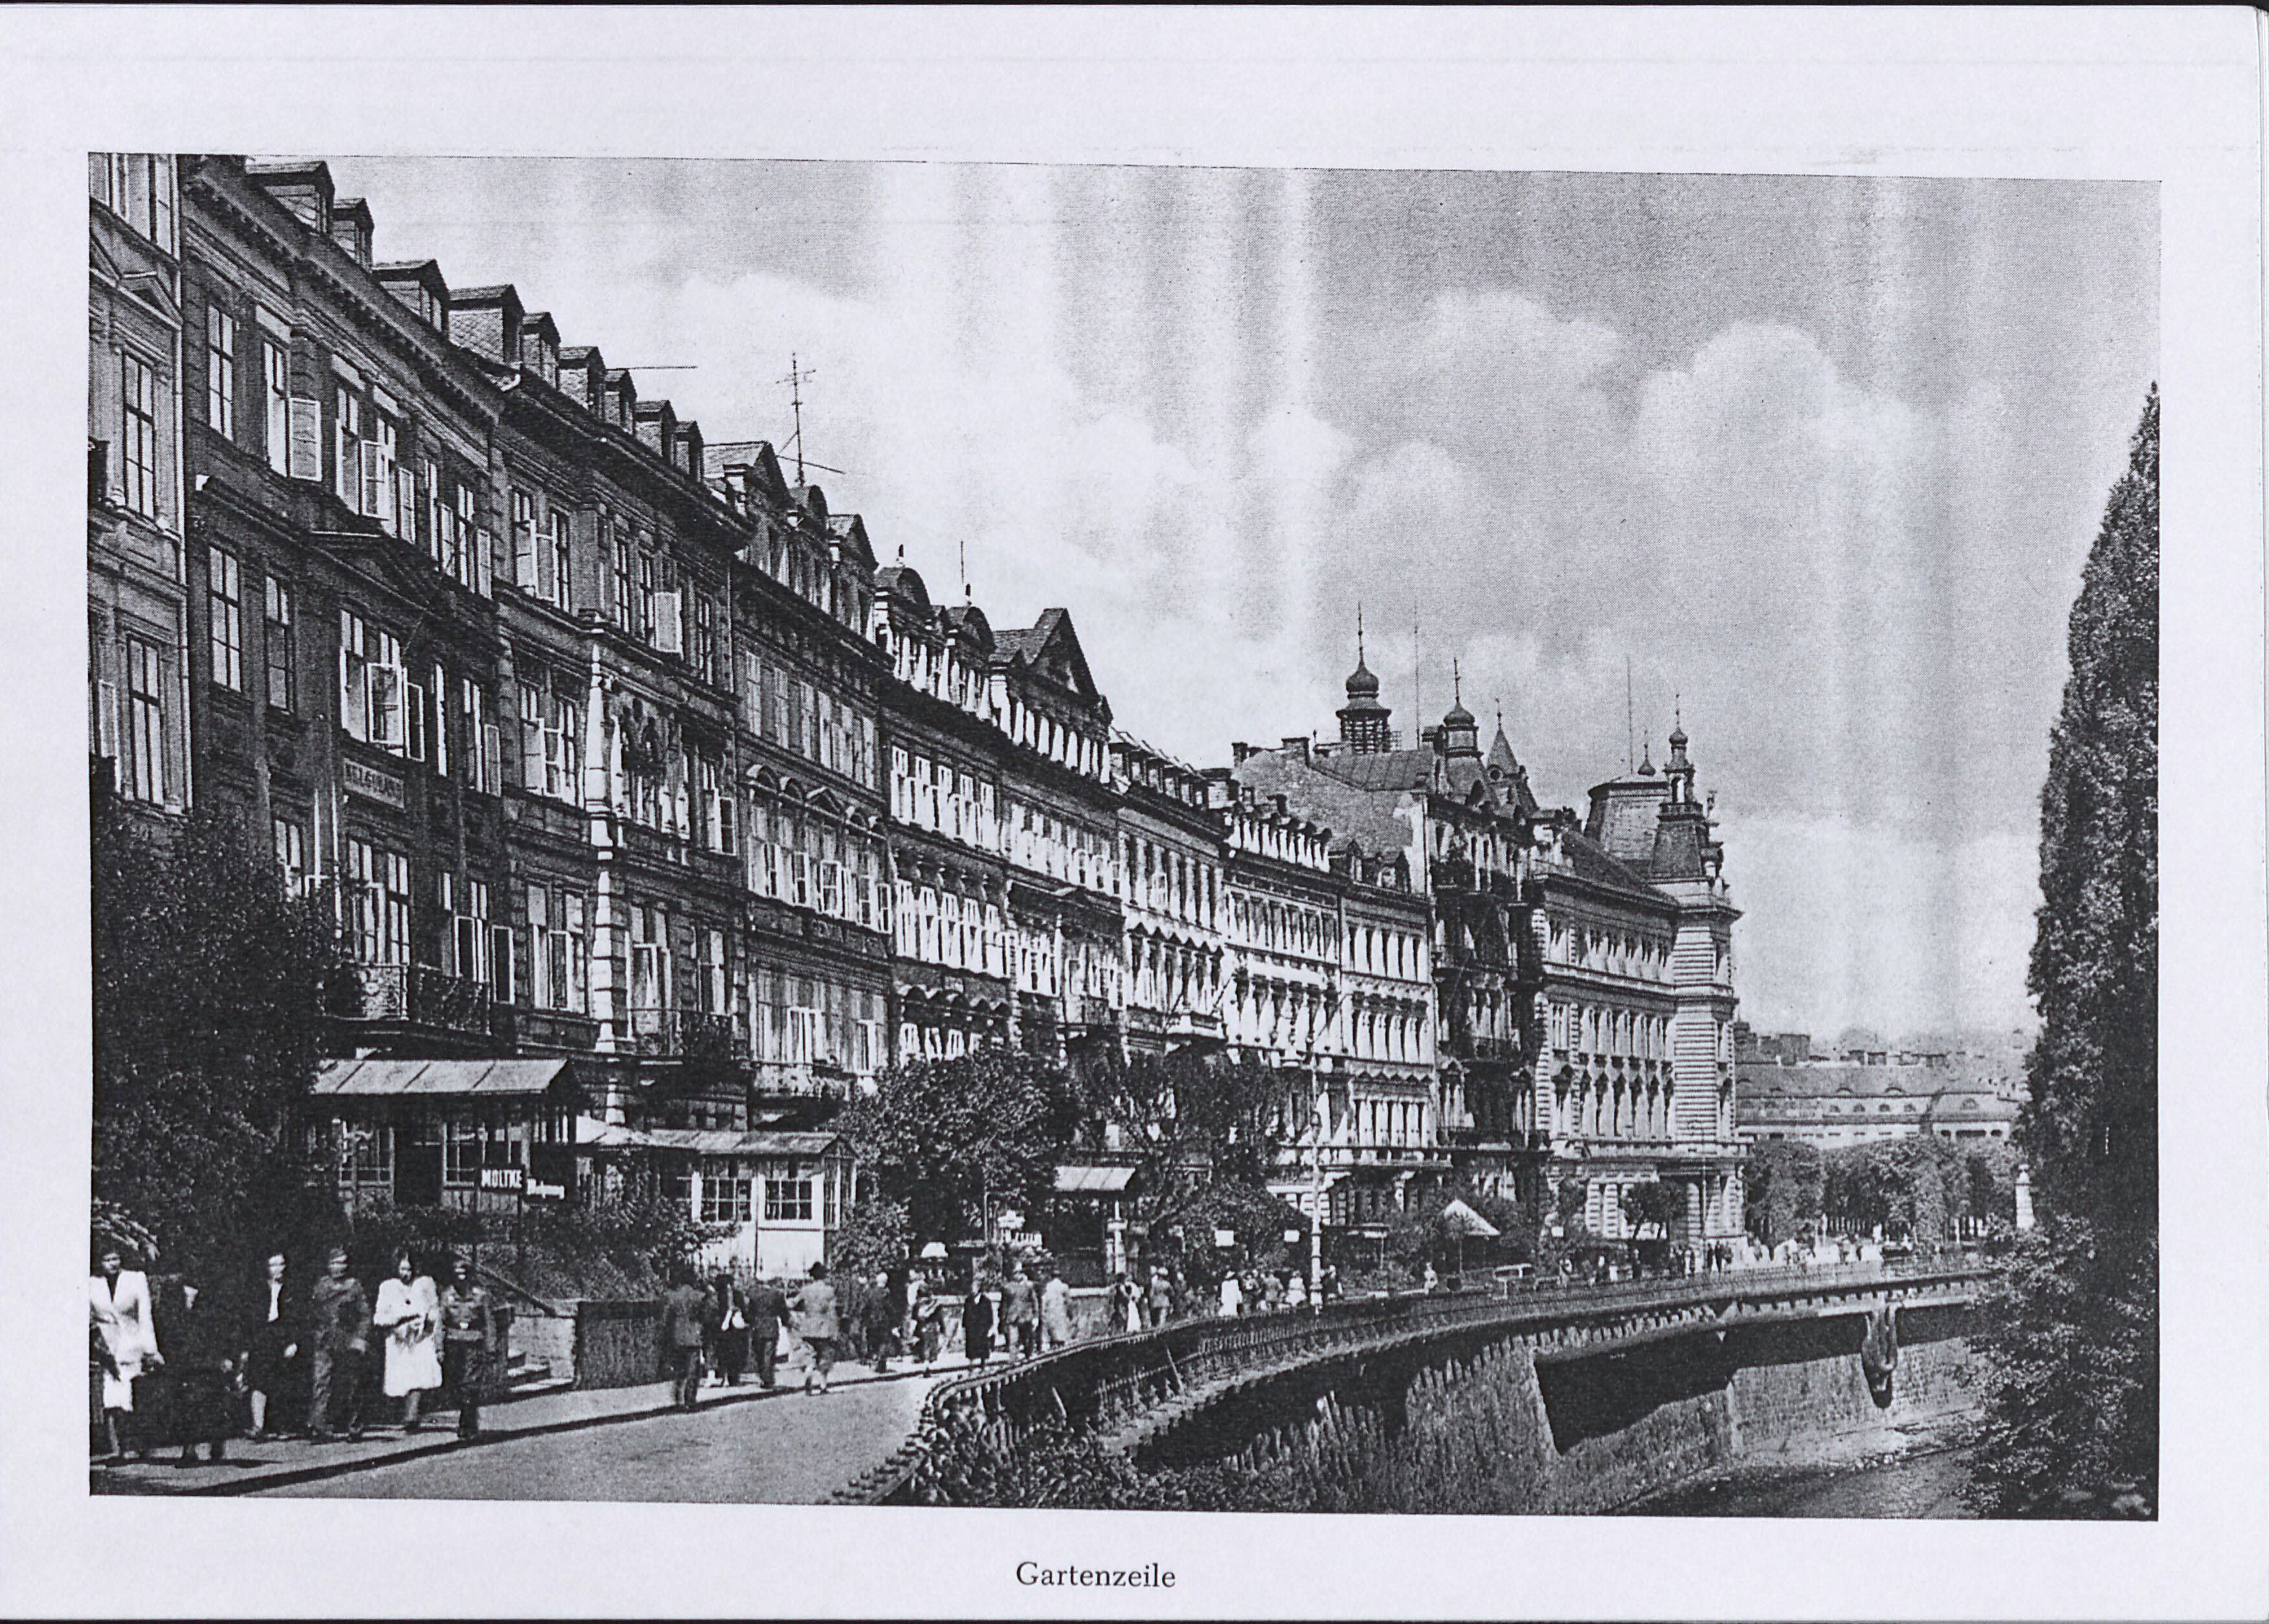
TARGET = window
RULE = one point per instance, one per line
(625, 583)
(562, 561)
(435, 700)
(462, 1145)
(346, 447)
(562, 763)
(139, 187)
(139, 439)
(224, 608)
(483, 744)
(471, 921)
(145, 721)
(715, 991)
(370, 683)
(369, 1158)
(382, 485)
(523, 540)
(787, 1200)
(276, 646)
(276, 397)
(379, 888)
(291, 854)
(220, 371)
(726, 1194)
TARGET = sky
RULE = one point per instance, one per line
(1815, 460)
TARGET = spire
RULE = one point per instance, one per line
(1363, 719)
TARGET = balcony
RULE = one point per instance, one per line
(799, 1080)
(420, 995)
(684, 1034)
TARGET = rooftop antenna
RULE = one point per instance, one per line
(967, 595)
(1457, 686)
(1358, 633)
(1417, 692)
(798, 375)
(1630, 729)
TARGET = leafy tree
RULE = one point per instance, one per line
(2092, 1125)
(940, 1135)
(877, 1234)
(2072, 1344)
(1421, 1231)
(1183, 1231)
(1189, 1121)
(1783, 1188)
(1652, 1206)
(1915, 1189)
(213, 990)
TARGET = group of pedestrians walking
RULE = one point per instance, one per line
(718, 1332)
(197, 1365)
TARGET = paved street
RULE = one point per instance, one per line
(785, 1448)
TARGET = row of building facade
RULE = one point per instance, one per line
(663, 817)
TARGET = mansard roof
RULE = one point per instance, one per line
(1593, 864)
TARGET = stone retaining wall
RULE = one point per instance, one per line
(1475, 1424)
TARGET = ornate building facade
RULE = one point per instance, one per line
(637, 776)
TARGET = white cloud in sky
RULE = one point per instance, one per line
(1133, 395)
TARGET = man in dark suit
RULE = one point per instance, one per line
(684, 1308)
(768, 1311)
(338, 1316)
(269, 1334)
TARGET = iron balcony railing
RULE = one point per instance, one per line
(423, 996)
(684, 1034)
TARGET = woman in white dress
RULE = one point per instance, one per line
(410, 1312)
(118, 1310)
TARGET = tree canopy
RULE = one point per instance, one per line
(940, 1135)
(2092, 1127)
(213, 987)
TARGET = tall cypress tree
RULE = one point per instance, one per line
(2069, 1338)
(2092, 1127)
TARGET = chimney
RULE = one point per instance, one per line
(1297, 745)
(656, 427)
(1238, 750)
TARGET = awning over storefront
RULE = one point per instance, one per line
(435, 1079)
(591, 1133)
(1093, 1180)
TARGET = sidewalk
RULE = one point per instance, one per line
(281, 1462)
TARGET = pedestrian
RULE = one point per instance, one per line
(1162, 1297)
(338, 1327)
(201, 1369)
(408, 1311)
(1232, 1296)
(1429, 1281)
(268, 1334)
(880, 1313)
(929, 1321)
(911, 1329)
(1296, 1290)
(468, 1343)
(1329, 1282)
(1055, 1311)
(682, 1306)
(729, 1310)
(1126, 1303)
(768, 1311)
(977, 1326)
(818, 1324)
(1271, 1292)
(1021, 1303)
(119, 1314)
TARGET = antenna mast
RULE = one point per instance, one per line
(797, 377)
(1630, 727)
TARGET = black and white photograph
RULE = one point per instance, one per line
(924, 834)
(946, 889)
